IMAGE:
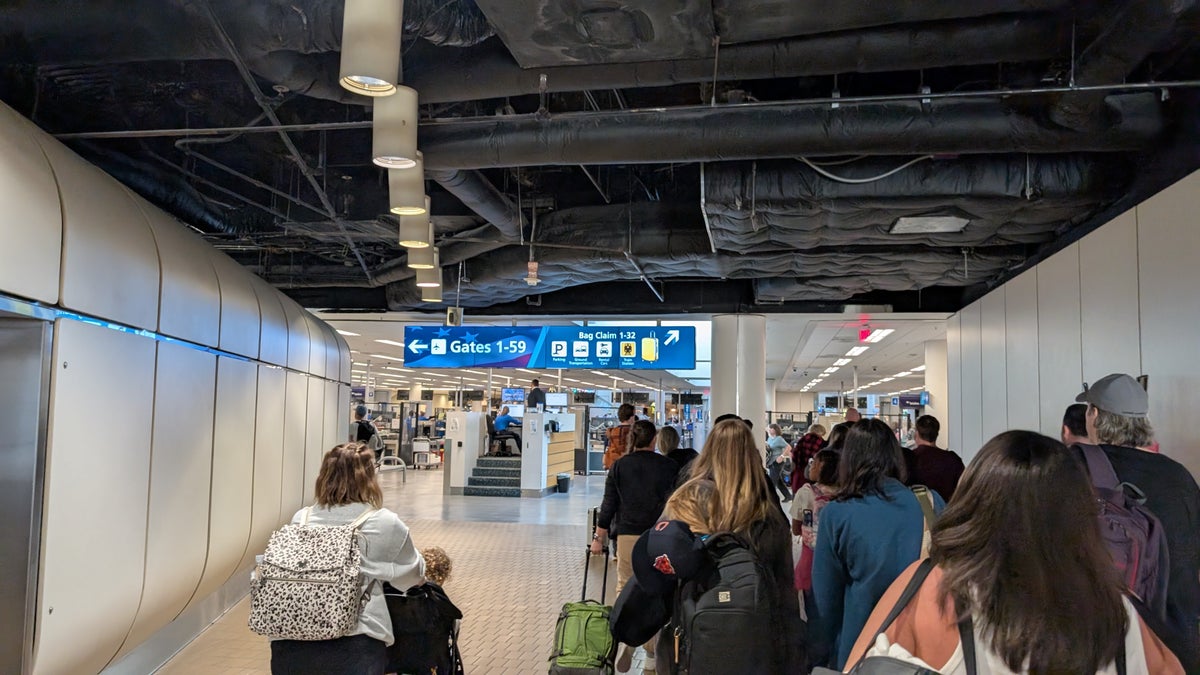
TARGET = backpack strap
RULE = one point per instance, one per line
(362, 518)
(966, 637)
(1101, 470)
(927, 515)
(304, 516)
(910, 591)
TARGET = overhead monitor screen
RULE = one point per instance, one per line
(512, 395)
(556, 400)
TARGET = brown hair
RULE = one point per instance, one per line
(625, 412)
(693, 504)
(348, 477)
(1021, 549)
(642, 434)
(731, 461)
(869, 456)
(668, 440)
(1130, 432)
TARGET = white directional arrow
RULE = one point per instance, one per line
(672, 336)
(416, 346)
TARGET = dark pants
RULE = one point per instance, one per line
(775, 472)
(351, 655)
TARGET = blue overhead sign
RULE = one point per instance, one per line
(597, 347)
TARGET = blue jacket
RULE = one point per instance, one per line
(503, 422)
(862, 547)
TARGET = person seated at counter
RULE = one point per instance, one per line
(502, 424)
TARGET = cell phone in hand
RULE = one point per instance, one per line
(808, 518)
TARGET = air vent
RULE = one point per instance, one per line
(929, 224)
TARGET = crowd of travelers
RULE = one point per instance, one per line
(1013, 564)
(1045, 556)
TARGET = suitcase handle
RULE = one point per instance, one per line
(604, 580)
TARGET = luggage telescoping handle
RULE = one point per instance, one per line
(604, 580)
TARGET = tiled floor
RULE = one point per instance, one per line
(515, 562)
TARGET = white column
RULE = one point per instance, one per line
(739, 366)
(937, 383)
(769, 395)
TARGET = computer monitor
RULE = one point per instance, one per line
(512, 395)
(516, 409)
(557, 400)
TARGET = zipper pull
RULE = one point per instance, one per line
(678, 634)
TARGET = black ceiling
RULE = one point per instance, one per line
(592, 136)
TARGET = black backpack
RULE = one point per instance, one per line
(722, 621)
(425, 622)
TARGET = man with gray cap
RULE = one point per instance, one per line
(1118, 421)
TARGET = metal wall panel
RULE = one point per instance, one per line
(314, 436)
(298, 338)
(274, 340)
(230, 495)
(31, 221)
(1021, 352)
(1169, 276)
(954, 381)
(240, 318)
(95, 508)
(1109, 313)
(294, 437)
(994, 408)
(109, 262)
(24, 394)
(972, 381)
(180, 473)
(268, 460)
(190, 297)
(1059, 337)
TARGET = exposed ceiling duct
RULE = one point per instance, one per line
(767, 205)
(755, 131)
(1134, 32)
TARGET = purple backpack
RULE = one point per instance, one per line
(1132, 533)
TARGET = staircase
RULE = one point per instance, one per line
(495, 477)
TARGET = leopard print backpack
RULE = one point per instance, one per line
(309, 584)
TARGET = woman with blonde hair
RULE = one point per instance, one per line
(728, 492)
(347, 492)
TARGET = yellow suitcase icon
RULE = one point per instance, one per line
(649, 349)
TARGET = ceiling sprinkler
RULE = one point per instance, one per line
(532, 278)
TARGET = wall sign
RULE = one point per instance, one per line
(607, 347)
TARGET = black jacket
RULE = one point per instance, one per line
(636, 491)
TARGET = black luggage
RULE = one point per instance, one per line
(425, 622)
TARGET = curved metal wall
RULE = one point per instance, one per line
(166, 466)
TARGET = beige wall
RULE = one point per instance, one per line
(1123, 299)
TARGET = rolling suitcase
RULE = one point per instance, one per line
(583, 644)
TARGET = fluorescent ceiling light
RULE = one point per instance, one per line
(928, 224)
(857, 351)
(918, 369)
(904, 374)
(391, 342)
(477, 372)
(879, 334)
(385, 356)
(347, 333)
(358, 363)
(841, 362)
(360, 372)
(887, 379)
(525, 370)
(831, 370)
(399, 370)
(596, 372)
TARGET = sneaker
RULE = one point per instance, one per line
(624, 659)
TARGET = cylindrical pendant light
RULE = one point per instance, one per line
(423, 258)
(371, 31)
(406, 190)
(431, 277)
(394, 130)
(431, 294)
(416, 231)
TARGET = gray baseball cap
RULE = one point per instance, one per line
(1119, 394)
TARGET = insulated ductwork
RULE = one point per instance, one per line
(769, 205)
(499, 278)
(1136, 30)
(753, 131)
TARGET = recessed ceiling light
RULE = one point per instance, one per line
(904, 374)
(856, 351)
(918, 369)
(887, 379)
(347, 333)
(831, 370)
(928, 224)
(841, 362)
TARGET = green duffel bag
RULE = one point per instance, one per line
(583, 643)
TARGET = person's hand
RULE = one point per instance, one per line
(596, 548)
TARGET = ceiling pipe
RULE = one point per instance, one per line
(489, 70)
(1136, 30)
(760, 131)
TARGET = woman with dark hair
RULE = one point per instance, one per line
(635, 493)
(870, 532)
(348, 492)
(1020, 553)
